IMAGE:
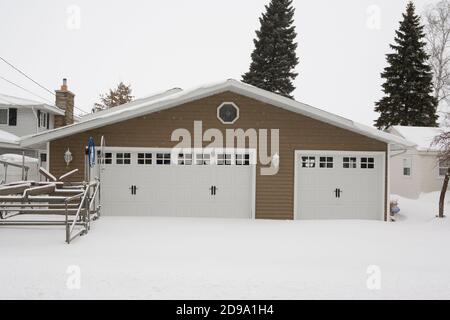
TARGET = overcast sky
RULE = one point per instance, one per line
(157, 45)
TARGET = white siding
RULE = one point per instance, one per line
(26, 123)
(424, 175)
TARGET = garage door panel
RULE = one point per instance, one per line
(177, 190)
(358, 178)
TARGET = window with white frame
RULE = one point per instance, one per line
(349, 163)
(185, 159)
(367, 163)
(326, 162)
(407, 166)
(163, 158)
(224, 159)
(123, 158)
(242, 159)
(43, 119)
(308, 162)
(202, 159)
(144, 158)
(443, 168)
(3, 116)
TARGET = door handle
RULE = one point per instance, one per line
(337, 192)
(213, 190)
(133, 189)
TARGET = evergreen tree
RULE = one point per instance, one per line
(408, 86)
(274, 58)
(115, 97)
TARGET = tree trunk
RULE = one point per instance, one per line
(443, 192)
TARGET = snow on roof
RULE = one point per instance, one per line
(7, 100)
(422, 136)
(7, 137)
(145, 99)
(17, 158)
(175, 97)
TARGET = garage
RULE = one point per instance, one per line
(247, 153)
(339, 185)
(159, 182)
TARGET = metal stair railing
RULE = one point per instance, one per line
(82, 216)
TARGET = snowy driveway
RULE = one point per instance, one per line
(200, 258)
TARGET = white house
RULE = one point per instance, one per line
(417, 170)
(21, 117)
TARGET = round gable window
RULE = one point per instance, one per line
(228, 113)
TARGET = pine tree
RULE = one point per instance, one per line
(115, 97)
(408, 86)
(274, 58)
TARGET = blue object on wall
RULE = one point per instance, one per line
(91, 152)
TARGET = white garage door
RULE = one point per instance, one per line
(183, 184)
(339, 185)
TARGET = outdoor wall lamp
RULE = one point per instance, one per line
(68, 157)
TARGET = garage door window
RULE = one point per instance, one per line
(367, 163)
(308, 162)
(349, 163)
(185, 159)
(202, 159)
(242, 159)
(163, 158)
(107, 159)
(224, 159)
(123, 158)
(144, 158)
(326, 162)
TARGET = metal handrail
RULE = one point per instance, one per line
(97, 187)
(83, 196)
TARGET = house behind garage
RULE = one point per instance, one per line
(418, 169)
(328, 167)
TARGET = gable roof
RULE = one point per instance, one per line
(422, 137)
(176, 97)
(6, 100)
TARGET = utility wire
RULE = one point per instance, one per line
(35, 82)
(18, 86)
(23, 73)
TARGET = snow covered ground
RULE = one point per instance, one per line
(154, 258)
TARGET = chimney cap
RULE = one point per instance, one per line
(64, 85)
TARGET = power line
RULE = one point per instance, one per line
(23, 73)
(35, 82)
(26, 90)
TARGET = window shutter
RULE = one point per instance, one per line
(12, 116)
(39, 118)
(48, 120)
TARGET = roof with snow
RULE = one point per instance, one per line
(421, 136)
(175, 97)
(8, 140)
(10, 101)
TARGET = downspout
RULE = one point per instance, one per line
(36, 122)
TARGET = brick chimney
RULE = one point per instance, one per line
(64, 100)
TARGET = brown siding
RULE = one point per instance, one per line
(274, 194)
